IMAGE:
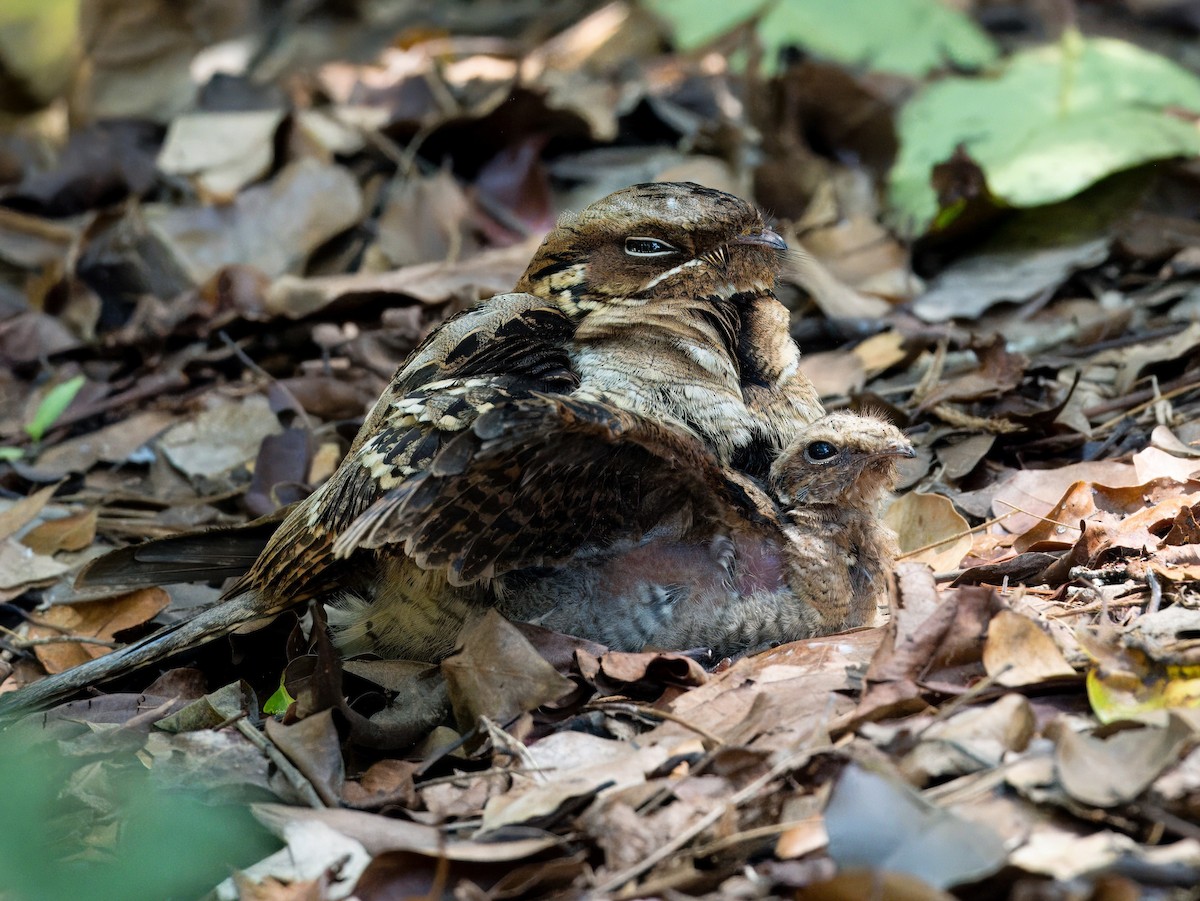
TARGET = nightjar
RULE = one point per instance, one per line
(657, 300)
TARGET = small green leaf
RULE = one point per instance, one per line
(11, 453)
(52, 406)
(278, 703)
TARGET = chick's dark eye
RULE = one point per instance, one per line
(819, 451)
(647, 247)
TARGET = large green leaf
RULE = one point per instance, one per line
(909, 37)
(1054, 121)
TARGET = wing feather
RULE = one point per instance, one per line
(539, 479)
(510, 347)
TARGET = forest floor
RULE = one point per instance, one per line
(220, 233)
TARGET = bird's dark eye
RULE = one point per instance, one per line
(819, 451)
(647, 247)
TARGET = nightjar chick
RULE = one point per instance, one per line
(657, 299)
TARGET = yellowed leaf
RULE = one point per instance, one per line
(930, 529)
(879, 352)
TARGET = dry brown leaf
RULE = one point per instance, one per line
(574, 765)
(487, 273)
(930, 522)
(959, 457)
(498, 674)
(22, 569)
(223, 151)
(94, 619)
(314, 747)
(20, 513)
(971, 740)
(805, 838)
(272, 226)
(272, 889)
(1029, 494)
(69, 533)
(112, 444)
(1153, 463)
(862, 254)
(1117, 769)
(999, 372)
(1018, 652)
(1166, 440)
(871, 884)
(880, 352)
(834, 372)
(836, 299)
(379, 834)
(426, 219)
(226, 435)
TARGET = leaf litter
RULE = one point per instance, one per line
(203, 290)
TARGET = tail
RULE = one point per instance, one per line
(191, 557)
(213, 623)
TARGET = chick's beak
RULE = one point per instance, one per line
(762, 238)
(898, 449)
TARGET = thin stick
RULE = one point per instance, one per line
(662, 715)
(301, 783)
(1133, 411)
(703, 823)
(23, 643)
(958, 535)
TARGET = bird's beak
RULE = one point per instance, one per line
(763, 238)
(897, 449)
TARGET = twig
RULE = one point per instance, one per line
(958, 535)
(1155, 592)
(1133, 411)
(22, 643)
(1095, 607)
(1191, 380)
(750, 835)
(244, 359)
(952, 706)
(296, 779)
(783, 766)
(631, 707)
(933, 374)
(150, 386)
(481, 774)
(1016, 509)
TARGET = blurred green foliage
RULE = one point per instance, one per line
(102, 829)
(38, 45)
(907, 37)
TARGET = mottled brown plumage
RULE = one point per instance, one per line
(812, 557)
(656, 299)
(632, 533)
